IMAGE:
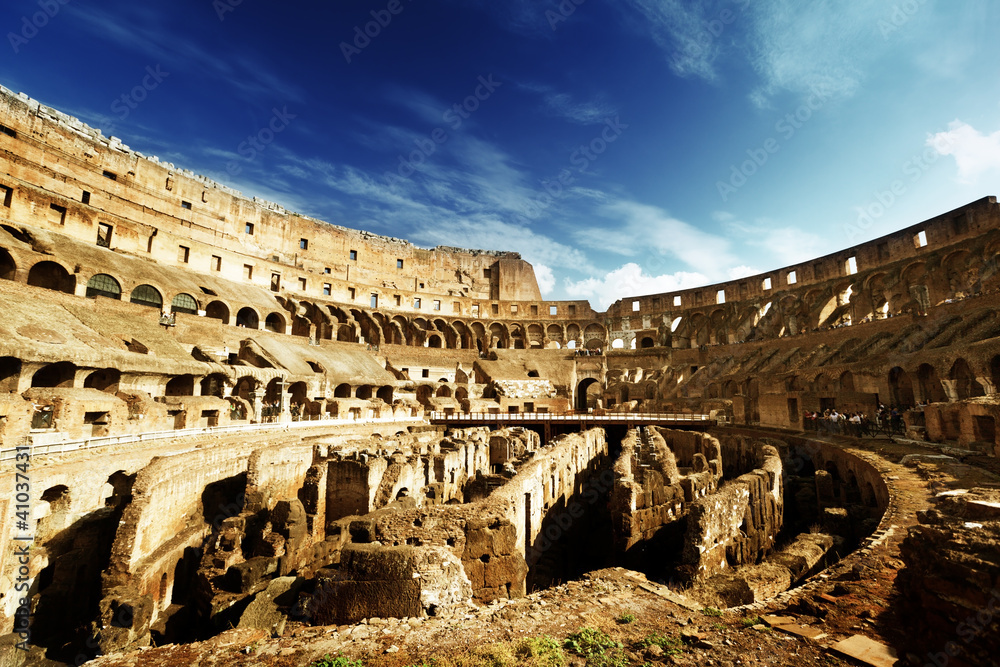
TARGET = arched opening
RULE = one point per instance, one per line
(444, 391)
(965, 381)
(364, 391)
(424, 394)
(342, 391)
(53, 276)
(245, 386)
(147, 295)
(930, 384)
(900, 388)
(218, 311)
(247, 317)
(275, 323)
(461, 394)
(272, 394)
(300, 326)
(182, 385)
(60, 374)
(385, 393)
(214, 385)
(10, 373)
(104, 285)
(617, 344)
(106, 379)
(297, 393)
(646, 342)
(434, 341)
(184, 303)
(8, 269)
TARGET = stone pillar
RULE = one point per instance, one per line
(987, 385)
(949, 389)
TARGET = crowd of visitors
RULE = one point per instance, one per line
(854, 423)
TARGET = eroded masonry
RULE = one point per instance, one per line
(238, 416)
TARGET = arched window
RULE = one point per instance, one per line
(104, 285)
(147, 295)
(184, 303)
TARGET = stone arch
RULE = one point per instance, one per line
(275, 322)
(102, 284)
(184, 303)
(60, 374)
(499, 337)
(342, 390)
(444, 391)
(900, 387)
(248, 318)
(214, 385)
(146, 295)
(647, 341)
(555, 332)
(10, 373)
(217, 310)
(385, 393)
(182, 385)
(245, 386)
(965, 380)
(364, 391)
(930, 384)
(517, 337)
(8, 267)
(53, 276)
(434, 340)
(586, 397)
(105, 379)
(594, 336)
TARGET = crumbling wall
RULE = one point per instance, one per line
(951, 583)
(739, 522)
(494, 537)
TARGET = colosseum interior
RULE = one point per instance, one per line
(236, 435)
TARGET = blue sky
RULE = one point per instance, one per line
(623, 148)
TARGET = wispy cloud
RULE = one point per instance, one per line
(679, 28)
(775, 244)
(140, 29)
(563, 105)
(975, 153)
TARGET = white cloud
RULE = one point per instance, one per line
(629, 280)
(641, 228)
(806, 48)
(975, 153)
(681, 30)
(774, 244)
(546, 280)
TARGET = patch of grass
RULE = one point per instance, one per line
(670, 645)
(750, 621)
(718, 626)
(340, 661)
(597, 647)
(540, 652)
(625, 618)
(711, 611)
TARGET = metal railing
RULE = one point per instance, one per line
(37, 449)
(570, 416)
